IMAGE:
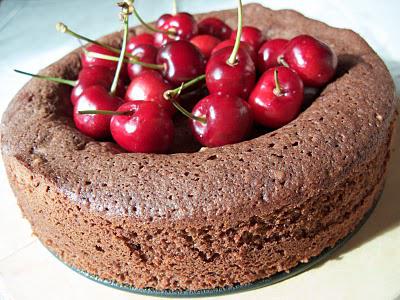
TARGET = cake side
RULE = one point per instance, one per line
(179, 257)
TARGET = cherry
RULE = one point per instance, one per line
(269, 53)
(216, 27)
(140, 39)
(277, 98)
(251, 35)
(162, 20)
(145, 53)
(236, 79)
(245, 46)
(206, 43)
(150, 86)
(95, 75)
(147, 129)
(227, 120)
(89, 60)
(231, 69)
(314, 61)
(182, 61)
(95, 98)
(183, 25)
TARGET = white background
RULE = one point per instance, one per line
(368, 267)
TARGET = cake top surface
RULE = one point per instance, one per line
(283, 167)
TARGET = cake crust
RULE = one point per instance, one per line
(213, 218)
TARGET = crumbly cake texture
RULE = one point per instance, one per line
(213, 218)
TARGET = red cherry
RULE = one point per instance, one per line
(148, 129)
(228, 43)
(251, 35)
(89, 61)
(206, 43)
(228, 119)
(162, 19)
(95, 98)
(274, 105)
(182, 61)
(140, 39)
(182, 24)
(237, 79)
(145, 53)
(150, 86)
(95, 75)
(215, 27)
(269, 52)
(314, 61)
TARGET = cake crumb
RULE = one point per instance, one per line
(36, 160)
(279, 175)
(379, 117)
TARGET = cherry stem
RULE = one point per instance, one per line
(175, 103)
(126, 10)
(149, 27)
(169, 94)
(127, 60)
(53, 79)
(278, 89)
(282, 61)
(105, 112)
(174, 7)
(232, 58)
(61, 27)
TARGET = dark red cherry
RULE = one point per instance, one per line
(88, 61)
(161, 39)
(269, 52)
(95, 75)
(237, 79)
(148, 129)
(313, 60)
(227, 43)
(277, 101)
(182, 61)
(183, 25)
(140, 39)
(228, 119)
(95, 98)
(145, 53)
(215, 27)
(251, 35)
(162, 19)
(150, 86)
(206, 43)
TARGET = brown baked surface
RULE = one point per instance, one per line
(223, 216)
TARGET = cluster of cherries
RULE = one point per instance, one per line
(249, 79)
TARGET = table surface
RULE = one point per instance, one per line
(368, 267)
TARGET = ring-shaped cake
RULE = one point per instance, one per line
(214, 218)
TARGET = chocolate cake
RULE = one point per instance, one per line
(212, 218)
